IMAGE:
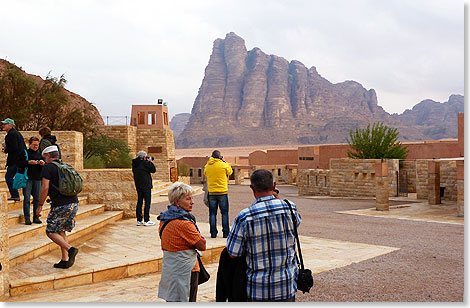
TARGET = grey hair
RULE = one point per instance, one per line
(142, 154)
(54, 154)
(262, 180)
(178, 190)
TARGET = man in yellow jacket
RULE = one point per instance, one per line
(217, 171)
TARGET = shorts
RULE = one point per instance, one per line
(61, 218)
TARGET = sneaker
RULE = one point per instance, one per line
(72, 253)
(139, 223)
(37, 221)
(61, 264)
(149, 223)
(27, 222)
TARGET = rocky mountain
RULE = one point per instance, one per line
(76, 101)
(178, 122)
(435, 120)
(250, 98)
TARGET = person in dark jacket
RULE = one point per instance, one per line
(34, 163)
(142, 166)
(14, 146)
(47, 140)
(231, 279)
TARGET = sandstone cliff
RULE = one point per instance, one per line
(178, 122)
(249, 98)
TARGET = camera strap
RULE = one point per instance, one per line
(294, 219)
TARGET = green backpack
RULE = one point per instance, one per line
(70, 181)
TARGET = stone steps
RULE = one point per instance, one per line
(16, 216)
(29, 242)
(110, 255)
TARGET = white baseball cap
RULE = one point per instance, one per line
(49, 149)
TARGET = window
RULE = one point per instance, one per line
(191, 172)
(141, 117)
(306, 158)
(165, 118)
(199, 172)
(279, 172)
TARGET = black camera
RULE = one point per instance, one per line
(150, 158)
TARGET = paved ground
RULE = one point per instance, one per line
(429, 266)
(354, 255)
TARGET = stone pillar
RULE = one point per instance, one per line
(238, 173)
(4, 248)
(434, 182)
(460, 188)
(382, 187)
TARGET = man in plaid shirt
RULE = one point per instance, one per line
(264, 234)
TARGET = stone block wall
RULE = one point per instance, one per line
(113, 187)
(460, 188)
(122, 132)
(70, 142)
(160, 144)
(313, 182)
(422, 179)
(356, 177)
(409, 166)
(4, 248)
(449, 179)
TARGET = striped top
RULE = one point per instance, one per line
(264, 233)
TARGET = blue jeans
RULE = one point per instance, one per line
(141, 196)
(33, 188)
(220, 201)
(9, 176)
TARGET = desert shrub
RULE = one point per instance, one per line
(184, 169)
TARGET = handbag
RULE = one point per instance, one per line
(21, 179)
(304, 278)
(203, 274)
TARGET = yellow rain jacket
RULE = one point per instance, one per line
(216, 171)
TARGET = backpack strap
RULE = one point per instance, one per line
(163, 227)
(56, 163)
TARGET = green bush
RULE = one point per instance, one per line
(184, 169)
(377, 142)
(120, 159)
(94, 162)
(113, 153)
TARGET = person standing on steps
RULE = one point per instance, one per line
(63, 210)
(14, 146)
(34, 164)
(217, 172)
(142, 167)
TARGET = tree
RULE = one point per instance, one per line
(113, 153)
(377, 142)
(34, 104)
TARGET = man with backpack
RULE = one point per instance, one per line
(61, 183)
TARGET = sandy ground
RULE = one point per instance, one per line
(428, 267)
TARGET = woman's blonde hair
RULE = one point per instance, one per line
(178, 190)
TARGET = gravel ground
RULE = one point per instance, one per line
(429, 267)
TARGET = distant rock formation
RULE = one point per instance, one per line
(76, 101)
(250, 98)
(435, 120)
(178, 122)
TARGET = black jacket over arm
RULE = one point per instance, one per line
(141, 170)
(231, 279)
(14, 146)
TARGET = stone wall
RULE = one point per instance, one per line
(4, 247)
(113, 187)
(122, 132)
(158, 143)
(409, 166)
(70, 142)
(356, 177)
(313, 182)
(448, 179)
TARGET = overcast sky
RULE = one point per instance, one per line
(119, 53)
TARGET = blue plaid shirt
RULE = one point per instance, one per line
(264, 233)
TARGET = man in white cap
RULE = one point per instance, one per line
(14, 146)
(61, 217)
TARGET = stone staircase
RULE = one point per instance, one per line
(32, 253)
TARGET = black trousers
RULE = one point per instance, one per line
(193, 286)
